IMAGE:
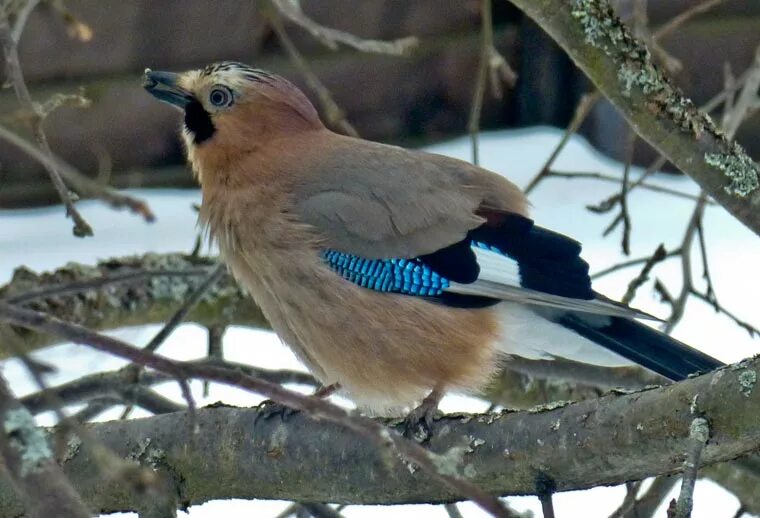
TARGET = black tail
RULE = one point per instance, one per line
(642, 345)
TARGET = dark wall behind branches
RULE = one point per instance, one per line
(127, 136)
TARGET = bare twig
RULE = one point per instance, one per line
(473, 124)
(698, 434)
(78, 180)
(21, 17)
(631, 490)
(586, 103)
(632, 262)
(215, 349)
(189, 303)
(82, 286)
(658, 256)
(678, 20)
(172, 324)
(452, 510)
(752, 330)
(291, 9)
(493, 69)
(747, 97)
(320, 510)
(679, 304)
(646, 505)
(545, 488)
(334, 114)
(570, 175)
(122, 386)
(16, 77)
(624, 214)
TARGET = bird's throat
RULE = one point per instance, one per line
(198, 122)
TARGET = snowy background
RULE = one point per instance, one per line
(41, 240)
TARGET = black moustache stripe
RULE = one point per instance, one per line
(198, 122)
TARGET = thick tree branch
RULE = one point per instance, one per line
(596, 442)
(135, 299)
(29, 465)
(622, 69)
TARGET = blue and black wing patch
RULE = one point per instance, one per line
(547, 262)
(405, 276)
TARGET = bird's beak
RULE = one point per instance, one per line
(163, 86)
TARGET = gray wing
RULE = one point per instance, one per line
(387, 202)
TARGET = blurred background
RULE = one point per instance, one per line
(127, 139)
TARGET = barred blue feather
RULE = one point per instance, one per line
(405, 276)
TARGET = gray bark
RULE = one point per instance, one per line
(596, 442)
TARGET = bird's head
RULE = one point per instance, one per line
(231, 109)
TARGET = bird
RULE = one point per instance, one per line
(395, 275)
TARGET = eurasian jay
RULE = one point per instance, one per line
(392, 273)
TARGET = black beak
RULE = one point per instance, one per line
(163, 86)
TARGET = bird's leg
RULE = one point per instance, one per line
(418, 423)
(269, 408)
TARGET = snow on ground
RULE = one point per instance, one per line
(41, 240)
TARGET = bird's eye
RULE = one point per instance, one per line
(220, 96)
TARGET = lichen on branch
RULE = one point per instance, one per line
(623, 70)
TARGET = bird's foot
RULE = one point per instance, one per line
(418, 424)
(268, 408)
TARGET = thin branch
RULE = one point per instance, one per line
(334, 114)
(16, 77)
(658, 256)
(545, 487)
(78, 180)
(687, 283)
(570, 175)
(674, 23)
(752, 330)
(94, 284)
(746, 98)
(586, 103)
(699, 434)
(320, 510)
(493, 69)
(215, 349)
(625, 216)
(21, 17)
(212, 278)
(121, 386)
(473, 124)
(291, 9)
(452, 510)
(632, 262)
(646, 505)
(631, 490)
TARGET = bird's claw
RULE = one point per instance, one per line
(418, 424)
(268, 409)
